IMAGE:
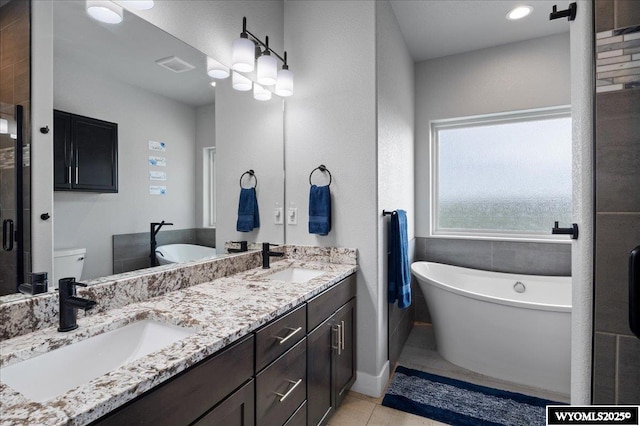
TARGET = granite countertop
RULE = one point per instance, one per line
(221, 311)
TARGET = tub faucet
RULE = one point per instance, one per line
(155, 228)
(266, 254)
(244, 246)
(70, 303)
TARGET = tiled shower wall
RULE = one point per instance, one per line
(15, 66)
(616, 372)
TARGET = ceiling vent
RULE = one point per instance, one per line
(175, 64)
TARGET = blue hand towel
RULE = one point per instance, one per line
(248, 215)
(399, 272)
(319, 210)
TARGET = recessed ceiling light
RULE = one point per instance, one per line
(104, 11)
(213, 84)
(139, 4)
(519, 12)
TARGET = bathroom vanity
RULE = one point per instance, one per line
(266, 349)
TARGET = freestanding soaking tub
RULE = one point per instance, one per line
(511, 327)
(177, 253)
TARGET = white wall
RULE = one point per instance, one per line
(89, 219)
(395, 80)
(249, 136)
(331, 120)
(524, 75)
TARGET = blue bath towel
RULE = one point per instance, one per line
(399, 272)
(319, 210)
(248, 215)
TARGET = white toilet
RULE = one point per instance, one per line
(67, 263)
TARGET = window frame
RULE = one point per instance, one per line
(209, 187)
(483, 120)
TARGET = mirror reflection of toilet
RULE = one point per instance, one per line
(67, 263)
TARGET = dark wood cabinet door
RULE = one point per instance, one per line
(61, 150)
(321, 342)
(345, 360)
(85, 153)
(95, 154)
(237, 410)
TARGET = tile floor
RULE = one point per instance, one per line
(420, 353)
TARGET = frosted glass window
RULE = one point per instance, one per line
(508, 174)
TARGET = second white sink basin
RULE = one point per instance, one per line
(54, 373)
(295, 275)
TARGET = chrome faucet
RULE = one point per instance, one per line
(155, 228)
(69, 303)
(266, 254)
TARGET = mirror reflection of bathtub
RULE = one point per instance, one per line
(179, 253)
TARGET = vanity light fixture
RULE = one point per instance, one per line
(216, 70)
(240, 82)
(4, 126)
(248, 48)
(104, 11)
(519, 12)
(260, 93)
(138, 4)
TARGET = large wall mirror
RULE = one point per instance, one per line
(183, 144)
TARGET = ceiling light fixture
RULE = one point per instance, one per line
(240, 82)
(138, 4)
(260, 93)
(104, 11)
(216, 70)
(213, 84)
(519, 12)
(248, 48)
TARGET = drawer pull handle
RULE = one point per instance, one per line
(288, 336)
(285, 395)
(342, 334)
(339, 339)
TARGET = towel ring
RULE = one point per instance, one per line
(251, 173)
(322, 168)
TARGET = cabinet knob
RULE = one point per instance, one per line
(44, 130)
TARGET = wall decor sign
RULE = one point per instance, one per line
(157, 146)
(157, 190)
(155, 175)
(157, 161)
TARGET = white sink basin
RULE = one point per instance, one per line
(295, 275)
(54, 373)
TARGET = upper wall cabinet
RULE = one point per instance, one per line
(85, 154)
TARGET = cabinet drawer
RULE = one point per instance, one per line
(299, 418)
(326, 303)
(276, 338)
(189, 395)
(282, 387)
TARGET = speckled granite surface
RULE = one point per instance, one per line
(221, 311)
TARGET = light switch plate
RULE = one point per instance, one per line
(278, 216)
(292, 216)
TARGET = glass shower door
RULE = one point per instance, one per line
(12, 198)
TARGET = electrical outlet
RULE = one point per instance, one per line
(292, 216)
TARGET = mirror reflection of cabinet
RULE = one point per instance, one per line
(85, 153)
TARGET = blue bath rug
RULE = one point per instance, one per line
(460, 403)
